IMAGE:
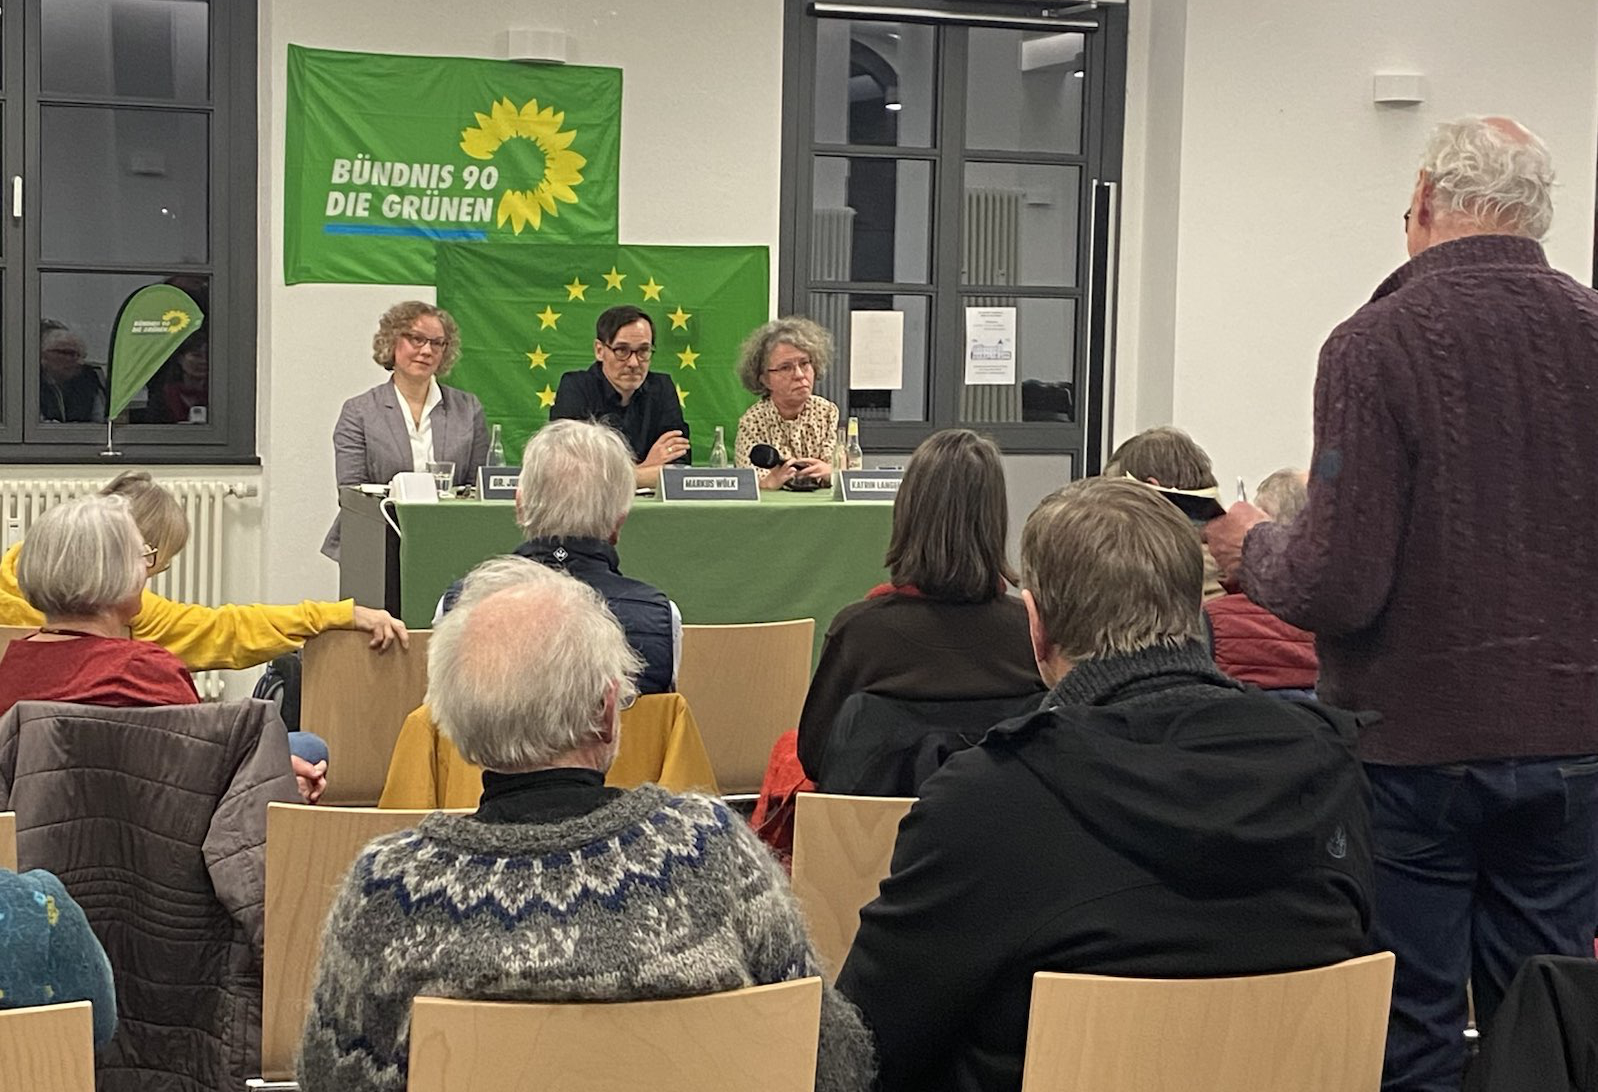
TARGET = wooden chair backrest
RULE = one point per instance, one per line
(842, 847)
(763, 1037)
(8, 840)
(746, 684)
(357, 699)
(308, 851)
(48, 1049)
(12, 633)
(1320, 1030)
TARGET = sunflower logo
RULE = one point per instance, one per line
(562, 166)
(175, 321)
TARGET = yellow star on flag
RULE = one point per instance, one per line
(546, 397)
(682, 395)
(687, 358)
(651, 290)
(679, 319)
(613, 279)
(547, 318)
(575, 291)
(538, 357)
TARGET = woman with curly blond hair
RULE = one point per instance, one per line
(411, 420)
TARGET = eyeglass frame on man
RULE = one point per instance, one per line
(624, 353)
(418, 340)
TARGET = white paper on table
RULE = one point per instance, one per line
(989, 346)
(876, 350)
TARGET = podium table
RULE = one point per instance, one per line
(788, 555)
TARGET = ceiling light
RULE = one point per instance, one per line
(894, 106)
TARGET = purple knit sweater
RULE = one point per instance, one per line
(1448, 559)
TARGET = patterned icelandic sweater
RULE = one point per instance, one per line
(48, 953)
(650, 896)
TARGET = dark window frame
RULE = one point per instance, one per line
(229, 436)
(1104, 102)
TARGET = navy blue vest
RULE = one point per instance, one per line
(642, 609)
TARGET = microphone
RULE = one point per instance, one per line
(765, 456)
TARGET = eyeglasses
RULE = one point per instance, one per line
(1406, 219)
(419, 340)
(624, 353)
(792, 366)
(149, 554)
(625, 699)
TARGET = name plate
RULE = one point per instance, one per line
(703, 483)
(869, 485)
(497, 482)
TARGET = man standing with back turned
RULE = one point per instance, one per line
(1445, 564)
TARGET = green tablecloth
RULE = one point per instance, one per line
(789, 555)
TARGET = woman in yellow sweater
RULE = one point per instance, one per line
(205, 638)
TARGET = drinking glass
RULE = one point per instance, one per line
(443, 477)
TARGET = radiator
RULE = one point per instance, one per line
(990, 253)
(195, 575)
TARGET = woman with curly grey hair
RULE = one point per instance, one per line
(411, 420)
(781, 362)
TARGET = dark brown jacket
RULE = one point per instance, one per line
(155, 820)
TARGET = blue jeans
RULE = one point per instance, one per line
(309, 746)
(1478, 866)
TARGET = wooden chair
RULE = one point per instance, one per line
(49, 1048)
(659, 742)
(1321, 1030)
(842, 847)
(764, 1037)
(308, 851)
(747, 686)
(357, 699)
(8, 840)
(11, 633)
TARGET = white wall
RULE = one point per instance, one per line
(1265, 190)
(701, 110)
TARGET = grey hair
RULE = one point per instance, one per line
(803, 334)
(1283, 495)
(1494, 172)
(517, 671)
(81, 558)
(576, 481)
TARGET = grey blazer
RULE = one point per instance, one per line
(371, 444)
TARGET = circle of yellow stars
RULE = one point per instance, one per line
(577, 291)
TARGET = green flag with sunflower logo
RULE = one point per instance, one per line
(385, 156)
(527, 317)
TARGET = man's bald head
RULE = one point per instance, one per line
(1481, 175)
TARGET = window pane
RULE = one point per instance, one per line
(1044, 387)
(874, 83)
(832, 310)
(79, 310)
(1020, 224)
(123, 185)
(1024, 91)
(153, 49)
(872, 220)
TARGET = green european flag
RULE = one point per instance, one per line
(387, 155)
(527, 317)
(153, 322)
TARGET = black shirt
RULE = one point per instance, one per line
(654, 409)
(544, 796)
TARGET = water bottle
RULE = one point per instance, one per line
(496, 448)
(856, 458)
(718, 451)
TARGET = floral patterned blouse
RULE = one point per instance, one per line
(811, 435)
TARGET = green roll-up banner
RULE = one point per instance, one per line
(527, 317)
(386, 156)
(152, 324)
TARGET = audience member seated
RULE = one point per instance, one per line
(231, 637)
(70, 389)
(1250, 643)
(409, 420)
(557, 888)
(49, 955)
(1167, 458)
(943, 628)
(620, 391)
(574, 493)
(1153, 819)
(780, 363)
(84, 566)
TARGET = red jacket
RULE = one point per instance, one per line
(1252, 645)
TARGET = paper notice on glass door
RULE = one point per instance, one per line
(876, 350)
(989, 346)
